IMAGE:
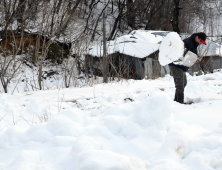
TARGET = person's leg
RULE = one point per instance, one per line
(179, 90)
(179, 77)
(185, 79)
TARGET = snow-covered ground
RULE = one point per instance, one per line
(133, 125)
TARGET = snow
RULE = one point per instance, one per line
(138, 44)
(122, 126)
(219, 50)
(171, 49)
(150, 36)
(211, 49)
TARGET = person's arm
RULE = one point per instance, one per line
(199, 59)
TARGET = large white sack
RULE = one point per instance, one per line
(171, 49)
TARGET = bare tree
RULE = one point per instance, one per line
(131, 14)
(9, 62)
(175, 21)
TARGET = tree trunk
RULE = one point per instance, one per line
(67, 20)
(119, 17)
(105, 61)
(130, 14)
(40, 76)
(175, 21)
(20, 11)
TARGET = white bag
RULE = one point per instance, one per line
(171, 49)
(188, 60)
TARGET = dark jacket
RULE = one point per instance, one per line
(190, 45)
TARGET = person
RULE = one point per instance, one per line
(178, 69)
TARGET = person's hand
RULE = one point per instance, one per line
(199, 59)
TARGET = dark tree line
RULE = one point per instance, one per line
(122, 15)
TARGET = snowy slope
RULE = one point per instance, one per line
(121, 126)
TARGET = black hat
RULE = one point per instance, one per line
(202, 37)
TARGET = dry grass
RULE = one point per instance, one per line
(128, 99)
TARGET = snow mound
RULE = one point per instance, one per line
(106, 160)
(96, 128)
(83, 141)
(171, 49)
(154, 111)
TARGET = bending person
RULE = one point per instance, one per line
(179, 68)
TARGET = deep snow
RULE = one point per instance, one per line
(119, 126)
